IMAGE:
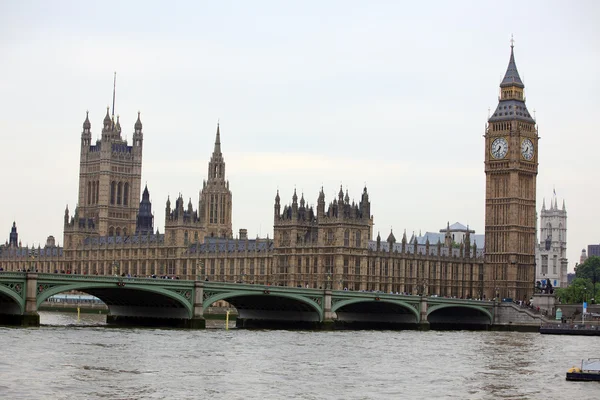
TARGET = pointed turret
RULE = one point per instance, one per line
(511, 77)
(118, 125)
(564, 207)
(86, 124)
(512, 97)
(107, 121)
(544, 204)
(138, 124)
(14, 236)
(217, 149)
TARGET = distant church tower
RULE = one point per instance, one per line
(551, 256)
(511, 166)
(110, 174)
(215, 205)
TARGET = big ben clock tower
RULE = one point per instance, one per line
(511, 165)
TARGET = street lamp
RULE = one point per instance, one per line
(115, 268)
(328, 285)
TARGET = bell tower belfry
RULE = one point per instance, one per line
(511, 167)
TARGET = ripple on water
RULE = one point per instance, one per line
(100, 363)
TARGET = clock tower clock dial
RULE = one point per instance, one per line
(527, 149)
(511, 168)
(499, 148)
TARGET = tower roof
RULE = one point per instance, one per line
(511, 77)
(107, 120)
(512, 102)
(86, 123)
(218, 141)
(138, 123)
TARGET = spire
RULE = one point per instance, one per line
(512, 97)
(114, 92)
(277, 198)
(86, 124)
(544, 204)
(146, 194)
(138, 124)
(107, 120)
(118, 125)
(564, 206)
(218, 141)
(511, 77)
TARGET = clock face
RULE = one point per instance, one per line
(499, 148)
(527, 149)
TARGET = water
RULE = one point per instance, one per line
(59, 361)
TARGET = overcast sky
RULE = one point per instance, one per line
(391, 94)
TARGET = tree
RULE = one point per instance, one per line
(590, 269)
(578, 291)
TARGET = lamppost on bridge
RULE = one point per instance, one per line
(424, 283)
(115, 267)
(328, 283)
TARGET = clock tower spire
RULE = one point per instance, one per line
(511, 166)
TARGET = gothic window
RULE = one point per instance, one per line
(357, 238)
(126, 194)
(222, 209)
(560, 236)
(262, 266)
(252, 268)
(212, 267)
(329, 236)
(196, 237)
(119, 192)
(97, 191)
(111, 231)
(113, 189)
(299, 264)
(357, 266)
(549, 230)
(231, 267)
(347, 237)
(89, 194)
(118, 231)
(544, 264)
(285, 239)
(124, 231)
(346, 264)
(185, 237)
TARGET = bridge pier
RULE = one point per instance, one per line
(423, 322)
(31, 317)
(328, 323)
(198, 321)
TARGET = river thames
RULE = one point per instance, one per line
(90, 361)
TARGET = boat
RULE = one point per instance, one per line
(589, 371)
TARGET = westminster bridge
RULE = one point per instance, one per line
(182, 303)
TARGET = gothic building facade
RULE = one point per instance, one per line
(330, 246)
(551, 251)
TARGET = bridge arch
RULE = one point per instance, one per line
(481, 309)
(13, 298)
(102, 290)
(230, 297)
(407, 306)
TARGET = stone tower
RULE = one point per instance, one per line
(109, 183)
(551, 259)
(511, 166)
(215, 205)
(145, 218)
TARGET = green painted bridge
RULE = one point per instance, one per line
(182, 303)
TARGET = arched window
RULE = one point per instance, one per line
(196, 237)
(185, 237)
(111, 231)
(347, 237)
(97, 191)
(126, 194)
(124, 231)
(118, 231)
(358, 239)
(549, 230)
(113, 191)
(89, 194)
(119, 192)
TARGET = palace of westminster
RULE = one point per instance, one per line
(109, 232)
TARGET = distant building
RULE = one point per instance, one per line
(593, 250)
(551, 252)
